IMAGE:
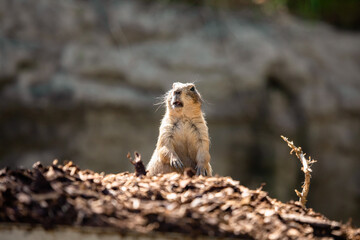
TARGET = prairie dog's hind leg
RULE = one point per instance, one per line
(203, 163)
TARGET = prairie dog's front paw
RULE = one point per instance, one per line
(177, 164)
(200, 170)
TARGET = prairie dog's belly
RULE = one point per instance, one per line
(185, 143)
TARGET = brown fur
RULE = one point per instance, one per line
(183, 137)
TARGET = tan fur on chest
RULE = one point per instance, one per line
(186, 141)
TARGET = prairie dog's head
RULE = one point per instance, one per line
(183, 96)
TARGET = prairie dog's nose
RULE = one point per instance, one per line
(177, 92)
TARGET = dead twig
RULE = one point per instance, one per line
(139, 166)
(306, 164)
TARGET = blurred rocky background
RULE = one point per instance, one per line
(79, 80)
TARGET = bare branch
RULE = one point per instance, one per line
(139, 166)
(306, 164)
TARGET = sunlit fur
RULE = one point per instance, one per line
(183, 133)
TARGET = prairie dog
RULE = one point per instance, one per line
(183, 135)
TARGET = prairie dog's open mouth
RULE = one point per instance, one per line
(177, 104)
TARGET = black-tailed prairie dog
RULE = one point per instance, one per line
(183, 138)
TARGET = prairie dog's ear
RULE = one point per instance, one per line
(175, 84)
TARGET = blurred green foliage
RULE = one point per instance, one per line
(344, 14)
(341, 13)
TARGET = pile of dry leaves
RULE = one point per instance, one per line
(212, 206)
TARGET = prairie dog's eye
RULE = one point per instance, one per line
(192, 89)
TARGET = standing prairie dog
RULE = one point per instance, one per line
(183, 139)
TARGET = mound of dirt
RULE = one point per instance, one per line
(207, 206)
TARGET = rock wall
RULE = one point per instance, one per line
(79, 80)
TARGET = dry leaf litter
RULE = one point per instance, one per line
(196, 206)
